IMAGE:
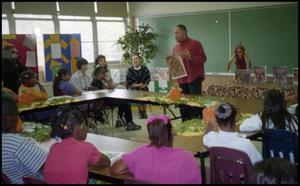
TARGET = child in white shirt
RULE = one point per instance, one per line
(274, 116)
(226, 137)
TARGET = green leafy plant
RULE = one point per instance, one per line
(138, 41)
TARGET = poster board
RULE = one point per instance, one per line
(26, 46)
(260, 74)
(61, 51)
(176, 67)
(243, 76)
(295, 76)
(280, 75)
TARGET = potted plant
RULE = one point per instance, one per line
(140, 41)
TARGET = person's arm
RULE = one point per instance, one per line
(119, 167)
(229, 63)
(253, 123)
(129, 79)
(147, 78)
(248, 61)
(76, 82)
(97, 158)
(198, 55)
(104, 161)
(14, 96)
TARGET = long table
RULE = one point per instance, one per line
(193, 144)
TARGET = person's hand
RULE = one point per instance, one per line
(144, 86)
(186, 54)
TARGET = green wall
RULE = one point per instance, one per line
(270, 36)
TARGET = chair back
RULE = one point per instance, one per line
(31, 180)
(280, 143)
(5, 179)
(230, 166)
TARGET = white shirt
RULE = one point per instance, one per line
(254, 123)
(232, 140)
(81, 80)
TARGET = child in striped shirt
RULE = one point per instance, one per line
(20, 156)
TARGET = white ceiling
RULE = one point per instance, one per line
(167, 8)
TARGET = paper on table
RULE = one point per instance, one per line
(29, 41)
(30, 59)
(113, 156)
(56, 51)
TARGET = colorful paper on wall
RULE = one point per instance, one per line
(56, 50)
(58, 53)
(30, 59)
(30, 41)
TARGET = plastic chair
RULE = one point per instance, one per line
(229, 166)
(32, 180)
(5, 179)
(280, 143)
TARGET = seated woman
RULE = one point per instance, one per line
(62, 84)
(31, 91)
(138, 78)
(123, 108)
(159, 161)
(274, 115)
(226, 137)
(68, 160)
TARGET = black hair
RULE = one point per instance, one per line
(160, 134)
(80, 62)
(226, 114)
(97, 59)
(9, 109)
(275, 110)
(56, 90)
(98, 71)
(275, 171)
(135, 54)
(26, 76)
(64, 120)
(182, 27)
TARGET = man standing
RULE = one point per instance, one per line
(193, 57)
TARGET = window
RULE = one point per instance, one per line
(37, 27)
(5, 27)
(108, 34)
(85, 29)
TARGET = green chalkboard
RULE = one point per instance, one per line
(270, 36)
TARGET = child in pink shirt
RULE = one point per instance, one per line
(159, 161)
(68, 160)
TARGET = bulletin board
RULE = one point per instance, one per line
(26, 46)
(61, 51)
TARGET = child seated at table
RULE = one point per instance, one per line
(275, 171)
(8, 93)
(123, 108)
(62, 84)
(20, 156)
(226, 137)
(68, 160)
(274, 115)
(30, 90)
(101, 62)
(138, 78)
(159, 161)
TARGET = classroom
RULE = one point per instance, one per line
(150, 92)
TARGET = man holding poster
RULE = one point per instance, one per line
(190, 53)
